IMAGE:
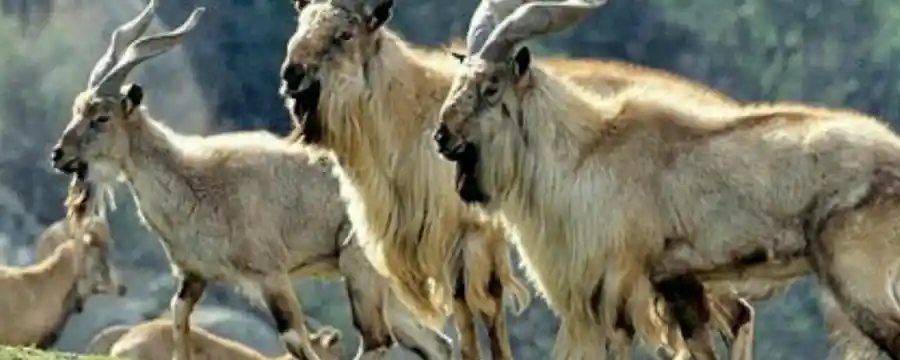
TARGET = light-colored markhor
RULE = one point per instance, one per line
(731, 317)
(609, 77)
(246, 207)
(683, 187)
(373, 92)
(153, 340)
(36, 300)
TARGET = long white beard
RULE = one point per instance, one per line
(102, 178)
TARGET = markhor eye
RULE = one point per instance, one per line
(102, 119)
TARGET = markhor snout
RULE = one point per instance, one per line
(449, 145)
(67, 164)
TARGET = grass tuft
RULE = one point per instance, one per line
(25, 353)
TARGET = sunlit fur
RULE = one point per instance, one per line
(36, 300)
(152, 340)
(714, 183)
(204, 195)
(370, 128)
(400, 194)
(378, 133)
(608, 77)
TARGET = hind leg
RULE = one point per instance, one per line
(289, 318)
(856, 257)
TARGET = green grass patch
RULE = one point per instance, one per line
(24, 353)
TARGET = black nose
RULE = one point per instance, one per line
(56, 154)
(292, 75)
(442, 137)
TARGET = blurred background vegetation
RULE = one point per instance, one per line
(834, 52)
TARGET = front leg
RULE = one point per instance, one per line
(488, 275)
(465, 329)
(689, 306)
(496, 323)
(367, 292)
(734, 318)
(289, 318)
(190, 289)
(464, 318)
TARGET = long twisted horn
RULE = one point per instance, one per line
(529, 20)
(123, 36)
(487, 15)
(144, 49)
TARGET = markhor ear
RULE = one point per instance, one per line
(522, 61)
(380, 15)
(134, 94)
(299, 4)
